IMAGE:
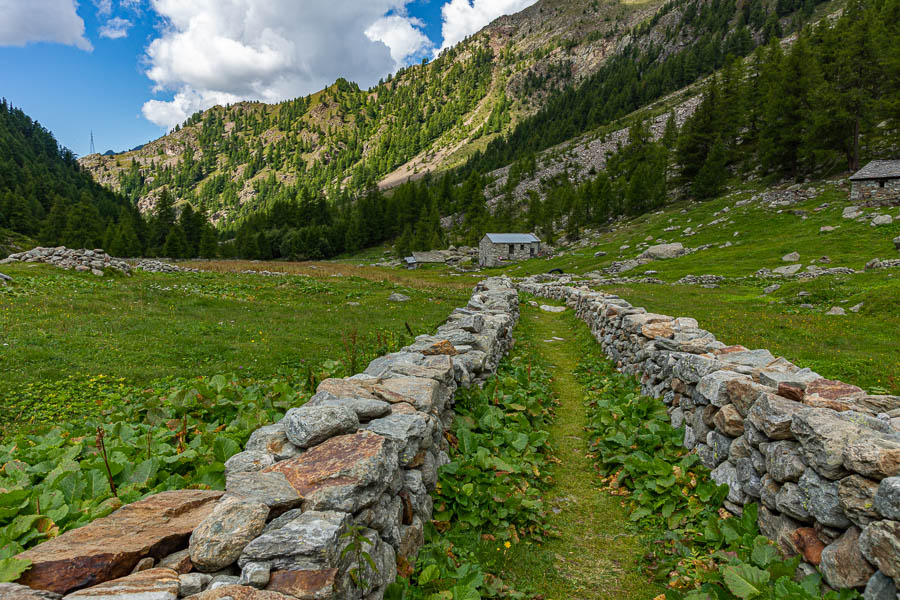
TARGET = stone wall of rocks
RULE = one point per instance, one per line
(820, 457)
(95, 261)
(356, 462)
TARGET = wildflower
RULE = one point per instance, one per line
(506, 544)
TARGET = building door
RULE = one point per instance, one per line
(532, 251)
(512, 248)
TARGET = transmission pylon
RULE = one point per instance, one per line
(93, 150)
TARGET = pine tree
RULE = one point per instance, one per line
(176, 245)
(55, 224)
(709, 181)
(208, 243)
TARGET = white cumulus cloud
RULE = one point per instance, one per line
(115, 28)
(215, 51)
(465, 17)
(27, 21)
(402, 35)
(104, 7)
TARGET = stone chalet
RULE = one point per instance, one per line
(424, 258)
(497, 248)
(878, 180)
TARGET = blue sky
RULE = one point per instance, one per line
(130, 69)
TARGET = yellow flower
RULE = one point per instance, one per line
(507, 544)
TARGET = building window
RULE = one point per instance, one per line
(881, 183)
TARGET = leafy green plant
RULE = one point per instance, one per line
(356, 543)
(490, 491)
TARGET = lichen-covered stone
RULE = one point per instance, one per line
(218, 541)
(880, 544)
(248, 461)
(308, 426)
(311, 541)
(345, 473)
(873, 456)
(272, 439)
(271, 489)
(784, 461)
(772, 415)
(823, 499)
(880, 587)
(887, 499)
(858, 499)
(824, 436)
(791, 500)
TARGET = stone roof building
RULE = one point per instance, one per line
(878, 180)
(496, 248)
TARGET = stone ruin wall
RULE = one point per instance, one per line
(358, 459)
(820, 457)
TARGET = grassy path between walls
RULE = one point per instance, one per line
(593, 555)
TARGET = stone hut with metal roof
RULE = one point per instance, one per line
(879, 180)
(497, 248)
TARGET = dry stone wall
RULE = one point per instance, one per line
(820, 457)
(356, 462)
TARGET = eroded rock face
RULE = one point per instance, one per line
(308, 425)
(239, 592)
(824, 437)
(15, 591)
(311, 541)
(345, 473)
(843, 563)
(772, 415)
(219, 539)
(152, 584)
(880, 543)
(83, 557)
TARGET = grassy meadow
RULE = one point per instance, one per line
(67, 338)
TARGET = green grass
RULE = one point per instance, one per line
(593, 553)
(857, 348)
(57, 324)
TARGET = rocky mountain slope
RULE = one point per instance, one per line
(229, 160)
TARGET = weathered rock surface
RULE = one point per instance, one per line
(843, 563)
(152, 584)
(155, 526)
(345, 473)
(219, 539)
(308, 425)
(312, 541)
(16, 591)
(887, 498)
(880, 543)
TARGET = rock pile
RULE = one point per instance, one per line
(821, 457)
(149, 265)
(356, 461)
(95, 261)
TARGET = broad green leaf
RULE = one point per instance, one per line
(12, 568)
(763, 553)
(429, 574)
(745, 581)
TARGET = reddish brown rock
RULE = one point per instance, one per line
(424, 394)
(152, 584)
(838, 404)
(180, 561)
(239, 592)
(442, 347)
(831, 389)
(791, 391)
(110, 547)
(729, 350)
(655, 330)
(350, 388)
(729, 421)
(344, 473)
(808, 543)
(304, 585)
